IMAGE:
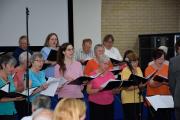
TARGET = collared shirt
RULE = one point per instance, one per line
(113, 53)
(81, 55)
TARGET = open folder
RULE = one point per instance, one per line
(5, 92)
(160, 78)
(116, 62)
(116, 72)
(161, 101)
(81, 80)
(111, 84)
(10, 94)
(52, 55)
(137, 79)
(53, 84)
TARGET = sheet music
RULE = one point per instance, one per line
(105, 84)
(5, 88)
(161, 101)
(25, 92)
(53, 84)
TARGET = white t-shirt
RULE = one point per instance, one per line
(113, 53)
(27, 118)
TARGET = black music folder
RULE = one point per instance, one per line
(84, 62)
(137, 79)
(116, 62)
(45, 66)
(160, 79)
(116, 72)
(10, 94)
(111, 84)
(52, 55)
(81, 80)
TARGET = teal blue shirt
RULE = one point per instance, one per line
(7, 108)
(37, 80)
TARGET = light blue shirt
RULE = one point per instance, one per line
(8, 108)
(37, 80)
(49, 71)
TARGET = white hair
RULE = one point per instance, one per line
(23, 57)
(164, 48)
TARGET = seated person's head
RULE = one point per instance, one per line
(37, 61)
(108, 41)
(86, 45)
(70, 109)
(23, 42)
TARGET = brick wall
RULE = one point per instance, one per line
(126, 19)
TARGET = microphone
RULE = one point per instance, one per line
(27, 11)
(128, 62)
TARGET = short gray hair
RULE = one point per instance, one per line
(7, 59)
(23, 57)
(36, 55)
(41, 102)
(98, 46)
(103, 58)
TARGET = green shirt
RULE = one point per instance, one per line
(7, 108)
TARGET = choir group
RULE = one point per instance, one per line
(63, 62)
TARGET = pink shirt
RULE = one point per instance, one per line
(72, 72)
(103, 97)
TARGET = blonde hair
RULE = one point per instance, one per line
(69, 109)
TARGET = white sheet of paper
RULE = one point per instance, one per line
(25, 92)
(161, 101)
(5, 88)
(53, 84)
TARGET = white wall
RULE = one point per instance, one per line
(87, 21)
(46, 16)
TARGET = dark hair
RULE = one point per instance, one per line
(157, 53)
(132, 56)
(177, 45)
(107, 37)
(60, 57)
(126, 53)
(7, 59)
(48, 38)
(87, 40)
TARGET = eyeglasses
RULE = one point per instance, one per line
(40, 61)
(70, 49)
